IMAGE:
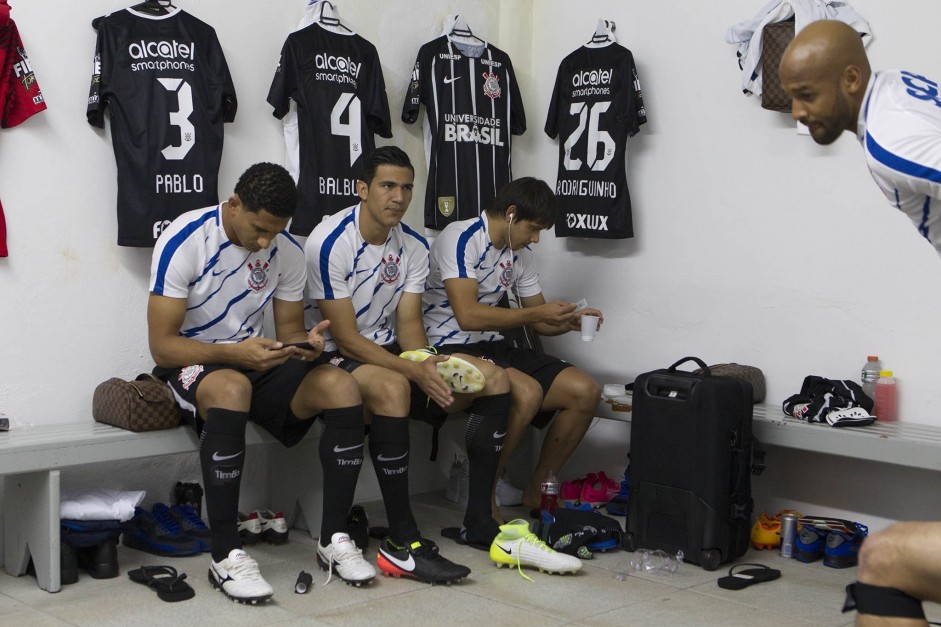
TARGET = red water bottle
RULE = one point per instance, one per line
(550, 488)
(886, 402)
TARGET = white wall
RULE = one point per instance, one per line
(753, 244)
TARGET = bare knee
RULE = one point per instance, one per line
(387, 393)
(526, 400)
(881, 555)
(326, 387)
(497, 380)
(226, 389)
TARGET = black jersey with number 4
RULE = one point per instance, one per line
(473, 108)
(336, 81)
(596, 105)
(167, 86)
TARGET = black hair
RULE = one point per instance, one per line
(385, 155)
(533, 198)
(267, 186)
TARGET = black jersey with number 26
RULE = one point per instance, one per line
(166, 83)
(596, 105)
(473, 108)
(336, 81)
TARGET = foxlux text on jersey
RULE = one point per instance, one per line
(177, 53)
(472, 128)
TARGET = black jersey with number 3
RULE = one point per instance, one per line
(473, 108)
(166, 83)
(336, 81)
(596, 105)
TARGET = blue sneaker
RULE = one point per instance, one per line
(159, 534)
(842, 550)
(810, 542)
(190, 524)
(618, 505)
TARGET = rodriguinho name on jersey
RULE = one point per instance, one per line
(582, 187)
(334, 186)
(162, 55)
(472, 128)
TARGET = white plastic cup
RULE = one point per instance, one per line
(589, 327)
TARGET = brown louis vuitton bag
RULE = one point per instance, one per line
(749, 374)
(145, 404)
(774, 39)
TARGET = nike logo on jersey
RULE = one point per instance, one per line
(383, 458)
(216, 457)
(338, 449)
(497, 435)
(217, 272)
(406, 565)
(450, 79)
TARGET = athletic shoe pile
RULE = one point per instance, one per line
(263, 525)
(596, 489)
(158, 532)
(420, 560)
(834, 539)
(517, 546)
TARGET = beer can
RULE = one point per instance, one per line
(788, 534)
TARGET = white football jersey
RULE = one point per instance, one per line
(227, 288)
(341, 264)
(900, 129)
(464, 250)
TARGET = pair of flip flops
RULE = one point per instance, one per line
(742, 576)
(169, 585)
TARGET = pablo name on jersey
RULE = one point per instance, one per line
(179, 184)
(460, 127)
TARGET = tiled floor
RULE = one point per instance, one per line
(805, 593)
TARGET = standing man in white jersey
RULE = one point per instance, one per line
(897, 117)
(473, 264)
(214, 272)
(366, 273)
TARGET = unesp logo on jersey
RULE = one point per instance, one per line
(491, 85)
(257, 275)
(506, 276)
(586, 221)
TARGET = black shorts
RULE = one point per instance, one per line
(540, 366)
(421, 406)
(272, 391)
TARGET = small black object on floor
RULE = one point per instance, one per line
(169, 585)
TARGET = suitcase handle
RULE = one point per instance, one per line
(702, 364)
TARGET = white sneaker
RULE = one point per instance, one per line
(343, 556)
(238, 577)
(516, 545)
(508, 494)
(249, 528)
(274, 528)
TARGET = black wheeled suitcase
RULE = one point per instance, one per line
(691, 447)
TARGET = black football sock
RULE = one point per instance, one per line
(341, 456)
(389, 448)
(486, 430)
(222, 458)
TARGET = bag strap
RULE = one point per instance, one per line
(702, 365)
(145, 376)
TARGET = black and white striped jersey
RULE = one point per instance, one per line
(473, 108)
(596, 105)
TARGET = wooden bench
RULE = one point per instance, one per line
(32, 458)
(903, 443)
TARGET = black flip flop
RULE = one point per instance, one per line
(740, 579)
(169, 586)
(459, 535)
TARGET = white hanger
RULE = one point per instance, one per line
(457, 30)
(328, 16)
(604, 33)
